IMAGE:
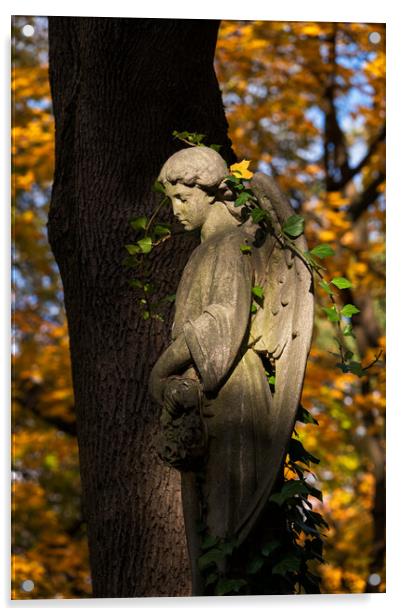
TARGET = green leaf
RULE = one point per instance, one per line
(287, 564)
(245, 248)
(269, 547)
(322, 251)
(315, 518)
(332, 314)
(341, 283)
(160, 229)
(242, 199)
(215, 146)
(258, 292)
(195, 138)
(137, 284)
(348, 310)
(211, 579)
(148, 287)
(169, 298)
(139, 223)
(213, 556)
(304, 416)
(209, 542)
(228, 546)
(348, 331)
(271, 380)
(224, 587)
(298, 453)
(258, 214)
(146, 315)
(253, 308)
(326, 287)
(255, 565)
(314, 492)
(356, 368)
(158, 187)
(132, 249)
(145, 245)
(291, 488)
(293, 226)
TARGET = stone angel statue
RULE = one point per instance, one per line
(222, 424)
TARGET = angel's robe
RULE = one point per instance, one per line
(213, 311)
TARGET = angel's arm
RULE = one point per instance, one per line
(173, 361)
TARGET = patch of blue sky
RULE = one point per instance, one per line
(39, 103)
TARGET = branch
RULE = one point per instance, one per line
(29, 400)
(353, 171)
(369, 195)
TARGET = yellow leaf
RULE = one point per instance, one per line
(240, 170)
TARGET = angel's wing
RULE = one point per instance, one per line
(284, 329)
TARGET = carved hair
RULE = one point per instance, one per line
(197, 166)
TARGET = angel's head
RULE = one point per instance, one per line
(193, 179)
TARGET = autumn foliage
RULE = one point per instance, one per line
(305, 103)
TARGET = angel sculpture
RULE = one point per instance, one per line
(219, 415)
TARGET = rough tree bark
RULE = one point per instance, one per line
(120, 87)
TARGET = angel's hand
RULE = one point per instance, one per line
(173, 361)
(181, 393)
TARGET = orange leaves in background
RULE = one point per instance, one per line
(305, 102)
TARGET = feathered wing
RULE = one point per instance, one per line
(284, 329)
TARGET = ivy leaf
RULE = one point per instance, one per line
(245, 248)
(304, 416)
(161, 230)
(298, 453)
(132, 249)
(291, 488)
(287, 564)
(234, 182)
(158, 187)
(145, 245)
(356, 368)
(212, 556)
(169, 298)
(348, 310)
(211, 579)
(332, 314)
(242, 199)
(258, 214)
(228, 547)
(322, 251)
(326, 287)
(255, 565)
(241, 170)
(258, 291)
(224, 587)
(341, 283)
(315, 518)
(209, 542)
(253, 308)
(139, 223)
(271, 380)
(348, 331)
(269, 547)
(293, 226)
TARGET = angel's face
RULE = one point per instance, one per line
(191, 205)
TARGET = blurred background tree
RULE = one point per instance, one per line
(306, 103)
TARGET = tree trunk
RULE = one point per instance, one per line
(120, 87)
